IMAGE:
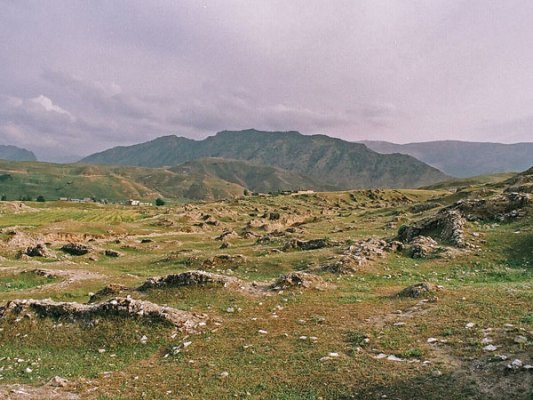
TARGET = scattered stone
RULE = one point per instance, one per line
(490, 347)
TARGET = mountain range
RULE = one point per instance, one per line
(463, 159)
(15, 153)
(327, 161)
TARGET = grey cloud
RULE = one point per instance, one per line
(128, 71)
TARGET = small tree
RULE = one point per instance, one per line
(246, 192)
(4, 198)
(41, 198)
(159, 202)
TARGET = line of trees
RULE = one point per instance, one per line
(39, 198)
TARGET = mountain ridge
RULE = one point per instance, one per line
(15, 153)
(331, 161)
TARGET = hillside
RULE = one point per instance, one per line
(463, 159)
(381, 294)
(324, 159)
(16, 154)
(256, 178)
(113, 183)
(204, 179)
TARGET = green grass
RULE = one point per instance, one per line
(15, 282)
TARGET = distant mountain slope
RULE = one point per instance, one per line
(257, 178)
(463, 159)
(15, 153)
(327, 160)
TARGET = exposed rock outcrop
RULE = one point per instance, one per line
(189, 278)
(446, 226)
(76, 249)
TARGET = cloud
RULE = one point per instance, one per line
(81, 77)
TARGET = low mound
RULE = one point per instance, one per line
(121, 307)
(189, 278)
(419, 290)
(297, 280)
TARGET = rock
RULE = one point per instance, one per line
(515, 364)
(490, 347)
(297, 280)
(57, 381)
(423, 247)
(418, 290)
(76, 249)
(505, 207)
(394, 358)
(112, 253)
(313, 244)
(224, 245)
(432, 340)
(39, 250)
(144, 241)
(446, 225)
(520, 339)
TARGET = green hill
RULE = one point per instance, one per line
(14, 153)
(204, 179)
(326, 160)
(464, 159)
(53, 181)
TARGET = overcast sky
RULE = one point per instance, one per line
(81, 76)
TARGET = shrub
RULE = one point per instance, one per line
(159, 202)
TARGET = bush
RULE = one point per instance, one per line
(41, 199)
(159, 202)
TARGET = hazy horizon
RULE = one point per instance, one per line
(78, 78)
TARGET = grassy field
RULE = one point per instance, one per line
(291, 344)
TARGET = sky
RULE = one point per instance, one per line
(82, 76)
